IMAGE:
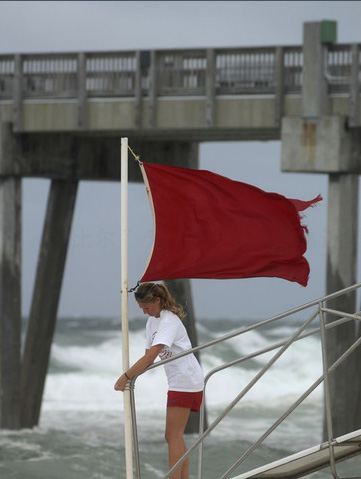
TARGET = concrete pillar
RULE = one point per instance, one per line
(315, 101)
(46, 295)
(10, 286)
(10, 301)
(342, 228)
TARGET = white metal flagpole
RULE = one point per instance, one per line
(124, 300)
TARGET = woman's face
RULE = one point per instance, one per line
(152, 309)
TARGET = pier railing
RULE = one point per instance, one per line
(315, 324)
(226, 71)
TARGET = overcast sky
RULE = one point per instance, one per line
(92, 278)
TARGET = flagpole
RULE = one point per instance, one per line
(124, 301)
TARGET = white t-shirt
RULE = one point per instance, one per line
(183, 374)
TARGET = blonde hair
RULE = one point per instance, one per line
(148, 292)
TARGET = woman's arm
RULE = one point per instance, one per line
(139, 366)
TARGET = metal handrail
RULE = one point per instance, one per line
(281, 346)
(237, 70)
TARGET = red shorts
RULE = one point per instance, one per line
(192, 401)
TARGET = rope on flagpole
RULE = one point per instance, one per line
(136, 157)
(135, 287)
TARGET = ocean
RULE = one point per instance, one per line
(81, 436)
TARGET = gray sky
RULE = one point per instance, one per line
(92, 277)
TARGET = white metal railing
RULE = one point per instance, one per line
(7, 73)
(247, 70)
(110, 72)
(293, 69)
(318, 310)
(181, 71)
(49, 75)
(175, 72)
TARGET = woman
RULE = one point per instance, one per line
(166, 336)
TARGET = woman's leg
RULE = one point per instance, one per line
(177, 418)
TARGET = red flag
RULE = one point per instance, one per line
(208, 226)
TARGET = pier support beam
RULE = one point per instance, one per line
(345, 388)
(10, 301)
(10, 285)
(42, 319)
